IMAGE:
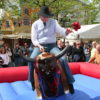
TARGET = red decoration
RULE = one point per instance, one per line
(76, 26)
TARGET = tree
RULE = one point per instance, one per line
(92, 9)
(78, 10)
(11, 6)
(58, 6)
(2, 4)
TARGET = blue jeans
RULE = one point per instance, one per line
(18, 61)
(52, 48)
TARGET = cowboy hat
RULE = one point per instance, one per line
(45, 11)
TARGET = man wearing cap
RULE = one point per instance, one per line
(43, 37)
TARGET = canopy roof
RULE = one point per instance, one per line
(89, 31)
(86, 32)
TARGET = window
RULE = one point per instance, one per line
(15, 23)
(26, 11)
(7, 24)
(26, 21)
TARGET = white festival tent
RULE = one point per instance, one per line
(86, 32)
(90, 31)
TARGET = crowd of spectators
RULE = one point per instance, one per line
(81, 51)
(9, 57)
(78, 52)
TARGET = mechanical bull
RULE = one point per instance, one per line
(50, 79)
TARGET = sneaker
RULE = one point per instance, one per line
(33, 87)
(71, 89)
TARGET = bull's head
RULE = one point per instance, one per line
(47, 61)
(46, 64)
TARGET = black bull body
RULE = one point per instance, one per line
(52, 75)
(49, 77)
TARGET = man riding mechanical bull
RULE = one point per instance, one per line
(47, 66)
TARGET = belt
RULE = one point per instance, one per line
(48, 44)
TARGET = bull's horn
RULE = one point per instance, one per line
(61, 53)
(28, 59)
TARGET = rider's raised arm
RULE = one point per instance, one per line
(60, 30)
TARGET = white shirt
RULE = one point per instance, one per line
(5, 57)
(41, 34)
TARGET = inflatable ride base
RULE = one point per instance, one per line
(21, 90)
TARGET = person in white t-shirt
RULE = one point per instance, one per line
(5, 57)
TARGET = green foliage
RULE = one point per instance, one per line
(64, 7)
(3, 3)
